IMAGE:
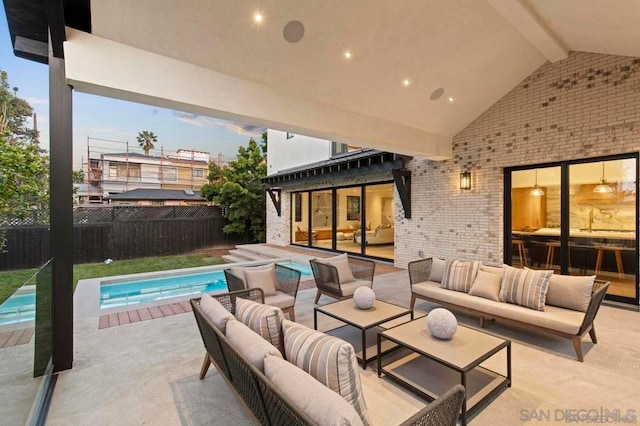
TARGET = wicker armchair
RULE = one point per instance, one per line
(287, 282)
(328, 279)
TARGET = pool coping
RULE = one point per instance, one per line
(86, 299)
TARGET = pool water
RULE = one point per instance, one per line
(18, 307)
(147, 290)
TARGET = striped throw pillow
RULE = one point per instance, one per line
(329, 360)
(525, 287)
(459, 275)
(263, 319)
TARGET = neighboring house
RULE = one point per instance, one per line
(156, 197)
(329, 192)
(116, 173)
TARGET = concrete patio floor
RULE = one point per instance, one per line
(147, 372)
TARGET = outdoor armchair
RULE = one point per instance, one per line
(339, 276)
(287, 281)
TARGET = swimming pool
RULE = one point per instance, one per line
(19, 307)
(147, 290)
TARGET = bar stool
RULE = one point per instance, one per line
(522, 254)
(618, 254)
(551, 251)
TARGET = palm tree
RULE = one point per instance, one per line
(146, 139)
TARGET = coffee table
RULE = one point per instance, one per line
(433, 365)
(362, 325)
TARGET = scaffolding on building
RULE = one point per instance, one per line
(130, 175)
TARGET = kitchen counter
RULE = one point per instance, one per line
(577, 233)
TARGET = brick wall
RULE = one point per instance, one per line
(585, 106)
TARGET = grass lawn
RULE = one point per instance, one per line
(10, 281)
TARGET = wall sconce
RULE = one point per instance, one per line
(465, 180)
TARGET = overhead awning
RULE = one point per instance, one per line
(350, 164)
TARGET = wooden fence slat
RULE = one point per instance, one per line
(132, 233)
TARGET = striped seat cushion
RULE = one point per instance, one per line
(459, 275)
(263, 319)
(525, 287)
(330, 360)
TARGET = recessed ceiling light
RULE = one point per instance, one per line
(257, 18)
(293, 32)
(348, 54)
(406, 82)
(451, 99)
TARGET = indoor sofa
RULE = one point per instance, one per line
(271, 402)
(381, 235)
(568, 307)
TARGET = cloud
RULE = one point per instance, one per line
(204, 121)
(37, 101)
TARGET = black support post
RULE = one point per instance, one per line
(61, 205)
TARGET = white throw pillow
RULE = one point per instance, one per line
(498, 270)
(250, 344)
(321, 404)
(486, 285)
(264, 278)
(341, 263)
(217, 313)
(437, 270)
(571, 292)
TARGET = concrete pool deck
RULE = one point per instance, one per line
(147, 372)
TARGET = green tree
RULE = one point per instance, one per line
(24, 168)
(238, 189)
(78, 176)
(147, 140)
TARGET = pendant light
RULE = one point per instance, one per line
(537, 192)
(603, 187)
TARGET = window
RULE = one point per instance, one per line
(197, 173)
(169, 174)
(113, 172)
(290, 135)
(157, 203)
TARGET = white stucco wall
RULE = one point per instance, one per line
(296, 151)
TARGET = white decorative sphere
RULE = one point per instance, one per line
(442, 323)
(364, 297)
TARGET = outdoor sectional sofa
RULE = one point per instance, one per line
(569, 321)
(272, 404)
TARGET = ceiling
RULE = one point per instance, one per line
(476, 50)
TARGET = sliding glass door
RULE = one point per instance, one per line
(578, 218)
(356, 219)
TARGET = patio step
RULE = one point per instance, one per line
(233, 259)
(263, 252)
(248, 255)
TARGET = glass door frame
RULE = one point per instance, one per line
(363, 212)
(565, 213)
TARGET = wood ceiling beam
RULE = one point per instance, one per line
(529, 24)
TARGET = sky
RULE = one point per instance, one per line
(96, 117)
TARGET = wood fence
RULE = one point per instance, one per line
(122, 232)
